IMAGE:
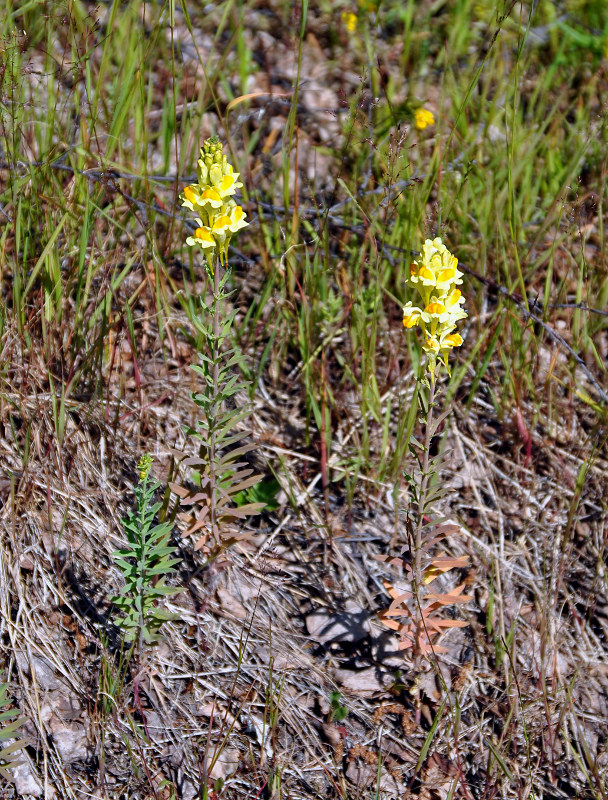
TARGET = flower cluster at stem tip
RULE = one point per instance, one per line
(143, 467)
(210, 199)
(434, 275)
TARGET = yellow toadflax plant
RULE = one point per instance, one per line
(436, 307)
(218, 472)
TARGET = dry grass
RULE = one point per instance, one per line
(522, 692)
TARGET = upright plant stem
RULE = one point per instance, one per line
(141, 508)
(418, 576)
(213, 409)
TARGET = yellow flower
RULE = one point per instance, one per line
(237, 219)
(436, 308)
(426, 275)
(220, 224)
(350, 20)
(452, 340)
(210, 198)
(203, 237)
(423, 118)
(431, 346)
(411, 315)
(229, 183)
(191, 197)
(230, 220)
(454, 299)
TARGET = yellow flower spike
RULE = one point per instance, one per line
(423, 118)
(143, 466)
(434, 276)
(219, 216)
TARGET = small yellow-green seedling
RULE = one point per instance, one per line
(145, 563)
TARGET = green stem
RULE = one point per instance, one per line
(424, 484)
(215, 355)
(142, 503)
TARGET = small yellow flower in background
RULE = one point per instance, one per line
(434, 276)
(218, 216)
(349, 20)
(423, 118)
